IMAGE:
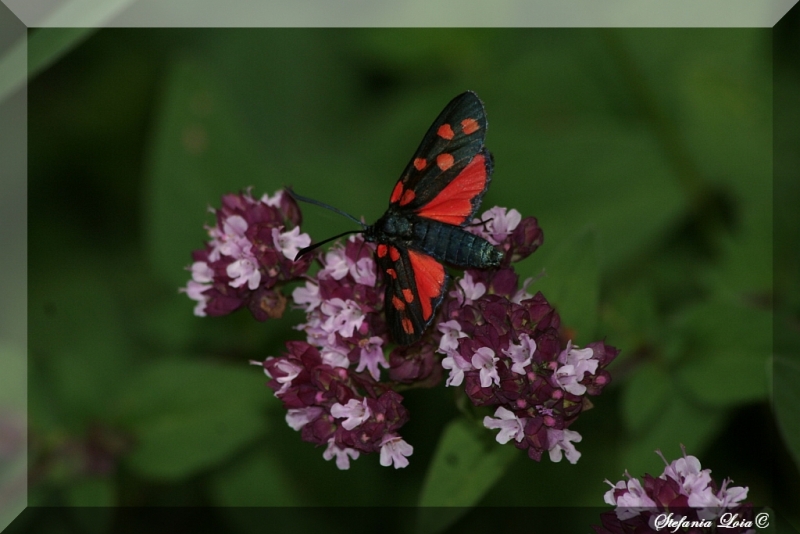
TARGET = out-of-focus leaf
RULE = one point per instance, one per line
(630, 316)
(725, 377)
(199, 152)
(188, 415)
(257, 480)
(572, 284)
(589, 172)
(78, 346)
(644, 397)
(678, 422)
(91, 501)
(465, 466)
(786, 402)
(93, 492)
(728, 346)
(175, 446)
(170, 323)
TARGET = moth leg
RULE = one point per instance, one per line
(481, 223)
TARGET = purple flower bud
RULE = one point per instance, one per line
(527, 237)
(504, 282)
(415, 364)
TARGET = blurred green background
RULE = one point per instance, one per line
(646, 155)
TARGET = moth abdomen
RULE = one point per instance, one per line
(454, 245)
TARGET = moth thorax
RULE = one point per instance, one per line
(395, 225)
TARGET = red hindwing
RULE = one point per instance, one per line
(415, 285)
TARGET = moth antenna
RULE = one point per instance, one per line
(303, 251)
(326, 206)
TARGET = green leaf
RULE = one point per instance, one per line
(644, 396)
(572, 284)
(726, 376)
(91, 501)
(95, 492)
(258, 480)
(630, 314)
(79, 348)
(176, 446)
(591, 171)
(199, 152)
(188, 416)
(678, 422)
(786, 402)
(728, 346)
(465, 466)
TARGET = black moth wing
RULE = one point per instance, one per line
(459, 131)
(405, 319)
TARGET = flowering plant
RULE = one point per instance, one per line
(340, 385)
(683, 496)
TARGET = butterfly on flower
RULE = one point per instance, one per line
(437, 194)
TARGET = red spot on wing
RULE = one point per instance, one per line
(445, 132)
(408, 196)
(394, 253)
(382, 250)
(444, 161)
(420, 163)
(398, 304)
(469, 126)
(392, 273)
(397, 192)
(429, 277)
(454, 203)
(408, 326)
(408, 295)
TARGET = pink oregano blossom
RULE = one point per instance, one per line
(340, 384)
(684, 494)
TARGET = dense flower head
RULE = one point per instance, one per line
(505, 348)
(349, 412)
(249, 255)
(492, 337)
(683, 490)
(331, 383)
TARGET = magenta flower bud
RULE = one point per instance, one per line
(504, 282)
(527, 237)
(415, 365)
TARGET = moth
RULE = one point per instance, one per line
(437, 195)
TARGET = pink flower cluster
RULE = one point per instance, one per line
(249, 254)
(504, 345)
(347, 411)
(330, 383)
(339, 387)
(684, 491)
